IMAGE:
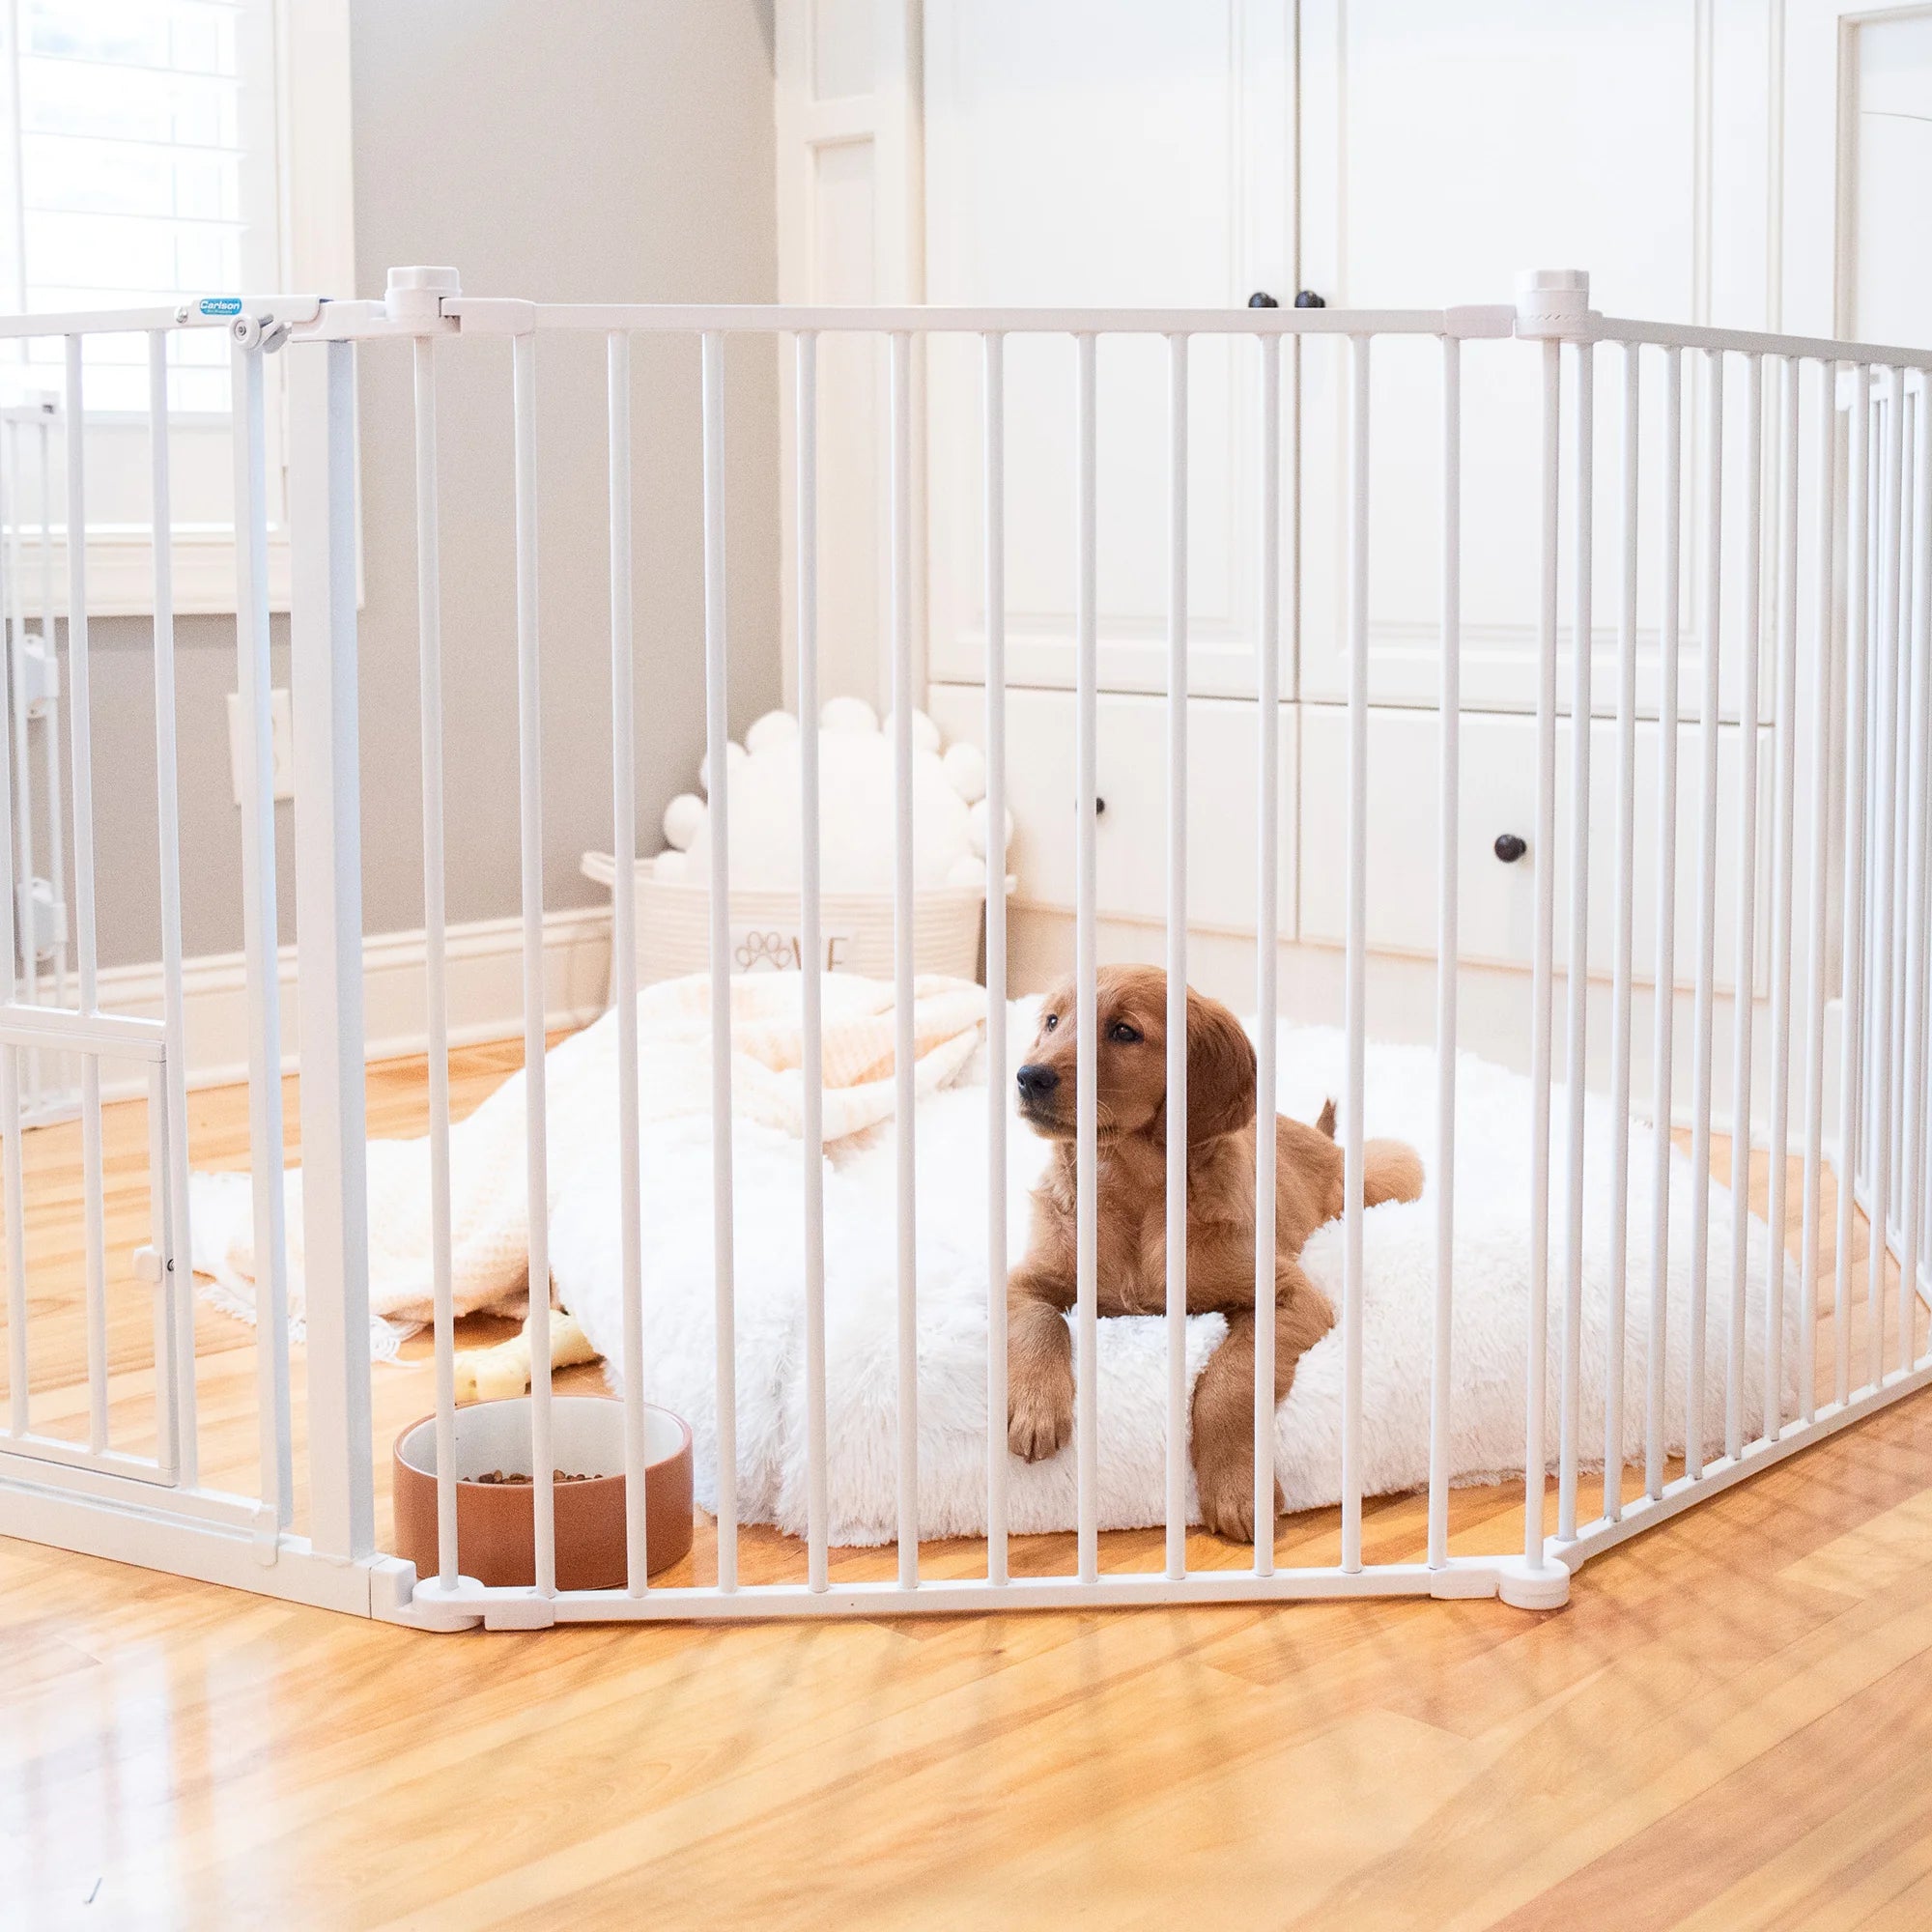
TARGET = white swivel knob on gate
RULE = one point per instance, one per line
(1552, 301)
(417, 294)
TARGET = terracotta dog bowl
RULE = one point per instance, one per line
(495, 1534)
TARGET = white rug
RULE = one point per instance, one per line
(1492, 1286)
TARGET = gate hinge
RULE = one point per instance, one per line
(147, 1260)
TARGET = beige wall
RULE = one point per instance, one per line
(561, 150)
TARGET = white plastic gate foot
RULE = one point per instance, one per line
(1533, 1586)
(436, 1606)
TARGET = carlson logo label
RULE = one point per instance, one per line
(221, 304)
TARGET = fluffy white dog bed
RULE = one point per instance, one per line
(1491, 1284)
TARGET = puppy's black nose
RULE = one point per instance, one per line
(1037, 1081)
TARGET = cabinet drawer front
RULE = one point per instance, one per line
(1498, 904)
(1130, 877)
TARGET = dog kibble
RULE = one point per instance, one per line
(560, 1476)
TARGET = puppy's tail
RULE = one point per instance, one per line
(1391, 1171)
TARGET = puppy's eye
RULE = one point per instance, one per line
(1048, 1024)
(1124, 1034)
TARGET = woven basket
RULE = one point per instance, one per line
(674, 927)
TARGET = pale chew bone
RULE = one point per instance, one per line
(498, 1373)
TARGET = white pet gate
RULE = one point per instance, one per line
(1819, 500)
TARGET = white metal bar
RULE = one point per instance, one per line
(624, 959)
(1703, 1011)
(1743, 972)
(125, 1036)
(12, 615)
(1087, 1414)
(536, 1111)
(56, 791)
(293, 309)
(1616, 1341)
(1466, 1577)
(80, 721)
(1784, 740)
(1752, 342)
(1858, 645)
(903, 941)
(17, 1403)
(435, 988)
(1887, 661)
(1354, 998)
(178, 1367)
(1919, 697)
(1913, 1141)
(1664, 978)
(1817, 880)
(158, 1237)
(998, 1097)
(810, 991)
(323, 696)
(1268, 927)
(1175, 1218)
(1448, 849)
(1891, 553)
(1537, 1372)
(259, 927)
(493, 314)
(1576, 979)
(496, 314)
(18, 1400)
(717, 740)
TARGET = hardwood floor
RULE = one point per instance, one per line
(1729, 1726)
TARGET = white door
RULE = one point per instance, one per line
(1096, 152)
(1442, 151)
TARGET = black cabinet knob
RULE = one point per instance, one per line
(1510, 848)
(1308, 298)
(1260, 298)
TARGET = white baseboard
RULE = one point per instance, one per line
(484, 982)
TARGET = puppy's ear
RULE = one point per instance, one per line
(1220, 1072)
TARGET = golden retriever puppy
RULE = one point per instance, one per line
(1132, 1218)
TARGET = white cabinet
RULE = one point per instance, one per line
(1131, 870)
(1497, 899)
(1380, 152)
(1442, 150)
(1101, 154)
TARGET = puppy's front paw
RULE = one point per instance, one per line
(1226, 1486)
(1039, 1414)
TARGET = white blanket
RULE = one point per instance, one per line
(1490, 1296)
(488, 1156)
